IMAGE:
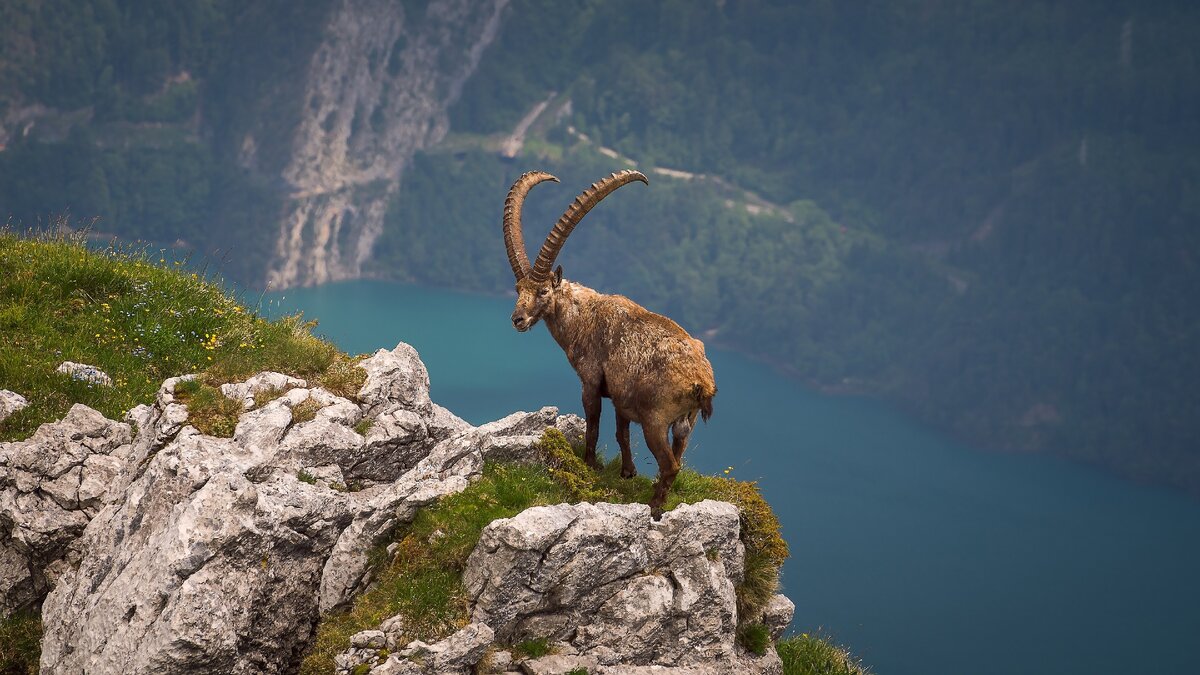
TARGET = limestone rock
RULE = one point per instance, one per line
(500, 661)
(164, 550)
(395, 376)
(393, 629)
(778, 614)
(442, 423)
(457, 654)
(395, 442)
(85, 373)
(210, 554)
(559, 665)
(199, 565)
(461, 651)
(262, 382)
(614, 584)
(368, 638)
(51, 485)
(571, 426)
(11, 402)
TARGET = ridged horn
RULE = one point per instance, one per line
(574, 213)
(514, 238)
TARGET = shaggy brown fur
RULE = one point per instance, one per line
(653, 371)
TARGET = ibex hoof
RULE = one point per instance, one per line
(628, 472)
(656, 512)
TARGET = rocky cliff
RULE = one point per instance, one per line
(154, 548)
(377, 90)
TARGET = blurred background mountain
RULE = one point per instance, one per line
(986, 212)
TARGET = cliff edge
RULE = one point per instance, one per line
(160, 548)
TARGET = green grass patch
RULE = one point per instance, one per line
(20, 643)
(531, 649)
(816, 655)
(755, 637)
(343, 377)
(210, 411)
(267, 395)
(306, 477)
(364, 426)
(306, 411)
(140, 316)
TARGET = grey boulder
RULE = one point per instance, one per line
(11, 402)
(616, 585)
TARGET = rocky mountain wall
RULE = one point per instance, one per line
(154, 548)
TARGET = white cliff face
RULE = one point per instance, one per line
(164, 550)
(377, 92)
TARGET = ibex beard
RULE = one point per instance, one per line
(653, 371)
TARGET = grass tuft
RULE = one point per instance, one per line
(755, 637)
(816, 655)
(267, 395)
(531, 649)
(210, 411)
(306, 477)
(20, 643)
(344, 377)
(306, 411)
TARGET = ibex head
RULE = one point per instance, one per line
(536, 286)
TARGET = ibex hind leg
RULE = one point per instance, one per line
(628, 470)
(681, 429)
(668, 466)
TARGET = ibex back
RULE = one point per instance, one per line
(653, 371)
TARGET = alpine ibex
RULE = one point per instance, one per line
(654, 372)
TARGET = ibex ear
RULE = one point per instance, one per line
(557, 276)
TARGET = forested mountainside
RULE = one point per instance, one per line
(985, 212)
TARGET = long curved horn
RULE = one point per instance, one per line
(574, 213)
(514, 239)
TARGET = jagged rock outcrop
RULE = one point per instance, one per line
(170, 551)
(377, 91)
(613, 590)
(620, 588)
(50, 487)
(164, 550)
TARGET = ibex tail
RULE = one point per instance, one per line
(704, 399)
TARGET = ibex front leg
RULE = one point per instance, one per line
(591, 411)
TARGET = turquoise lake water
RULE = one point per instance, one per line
(923, 556)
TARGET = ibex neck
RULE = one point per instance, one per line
(567, 318)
